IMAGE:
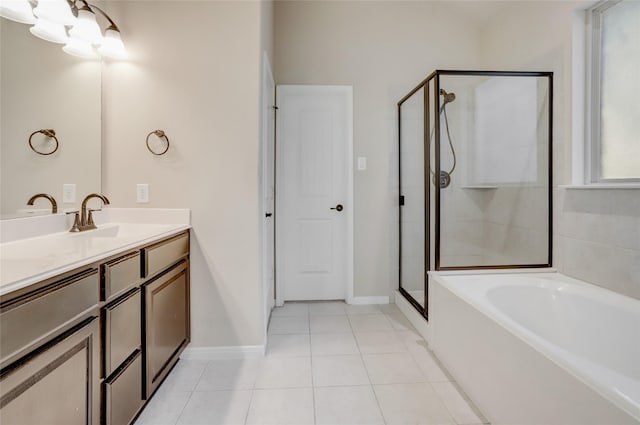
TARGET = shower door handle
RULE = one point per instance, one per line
(338, 208)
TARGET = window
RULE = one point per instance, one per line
(613, 114)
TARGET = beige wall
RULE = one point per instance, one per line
(383, 49)
(194, 72)
(596, 232)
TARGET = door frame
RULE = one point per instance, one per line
(348, 92)
(267, 80)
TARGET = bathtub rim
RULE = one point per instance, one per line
(553, 353)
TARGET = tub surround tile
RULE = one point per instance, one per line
(216, 408)
(418, 403)
(347, 406)
(598, 237)
(331, 371)
(284, 372)
(282, 406)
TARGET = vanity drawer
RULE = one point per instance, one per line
(35, 317)
(163, 254)
(122, 330)
(120, 274)
(122, 394)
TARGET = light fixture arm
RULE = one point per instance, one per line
(91, 8)
(112, 25)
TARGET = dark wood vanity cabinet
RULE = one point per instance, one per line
(167, 323)
(50, 356)
(166, 307)
(91, 346)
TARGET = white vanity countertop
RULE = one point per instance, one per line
(24, 262)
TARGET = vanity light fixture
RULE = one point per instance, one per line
(49, 31)
(17, 10)
(69, 22)
(86, 27)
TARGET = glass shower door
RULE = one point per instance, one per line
(412, 128)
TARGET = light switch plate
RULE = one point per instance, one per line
(142, 193)
(362, 163)
(68, 193)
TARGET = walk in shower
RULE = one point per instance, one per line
(475, 175)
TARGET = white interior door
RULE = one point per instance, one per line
(314, 186)
(268, 187)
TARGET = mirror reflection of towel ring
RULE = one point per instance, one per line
(161, 135)
(49, 132)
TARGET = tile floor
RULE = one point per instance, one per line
(327, 363)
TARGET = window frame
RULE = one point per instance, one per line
(593, 109)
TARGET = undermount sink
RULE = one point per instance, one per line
(122, 230)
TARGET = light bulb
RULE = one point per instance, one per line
(17, 10)
(49, 31)
(112, 45)
(57, 11)
(80, 48)
(86, 28)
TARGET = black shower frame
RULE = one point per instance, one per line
(435, 75)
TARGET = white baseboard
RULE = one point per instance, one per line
(221, 353)
(416, 319)
(368, 300)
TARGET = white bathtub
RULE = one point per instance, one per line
(539, 348)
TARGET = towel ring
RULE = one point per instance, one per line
(160, 134)
(49, 132)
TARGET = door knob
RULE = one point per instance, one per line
(268, 214)
(338, 207)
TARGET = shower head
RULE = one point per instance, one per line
(448, 97)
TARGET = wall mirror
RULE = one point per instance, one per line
(44, 88)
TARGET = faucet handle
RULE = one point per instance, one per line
(76, 221)
(90, 216)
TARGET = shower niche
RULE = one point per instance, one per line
(475, 175)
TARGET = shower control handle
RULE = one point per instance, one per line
(338, 208)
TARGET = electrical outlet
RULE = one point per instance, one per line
(68, 193)
(142, 193)
(362, 163)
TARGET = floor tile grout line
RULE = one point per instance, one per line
(246, 415)
(183, 407)
(444, 404)
(375, 395)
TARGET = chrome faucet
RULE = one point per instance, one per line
(54, 204)
(85, 221)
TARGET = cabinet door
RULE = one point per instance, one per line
(167, 323)
(57, 383)
(122, 392)
(122, 329)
